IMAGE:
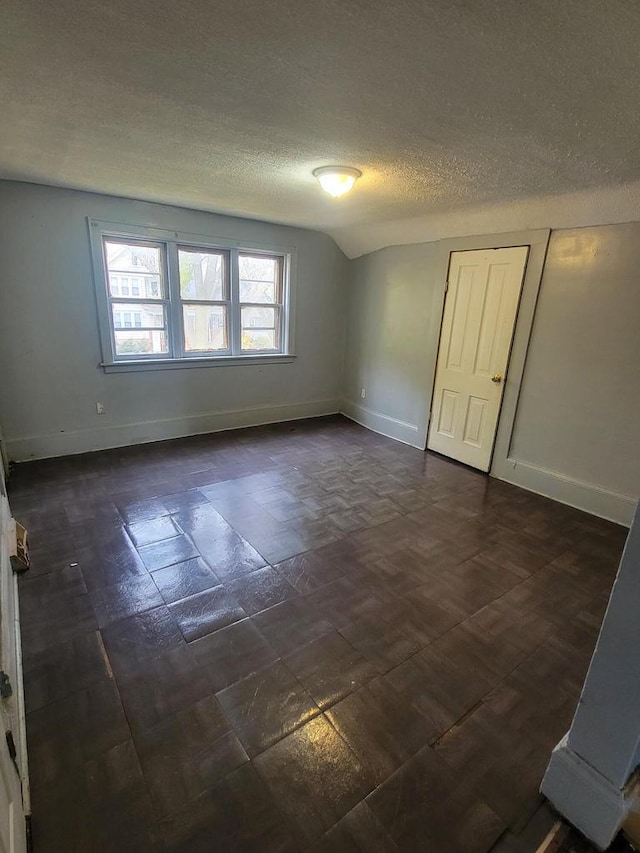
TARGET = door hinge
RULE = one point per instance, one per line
(6, 690)
(11, 744)
(13, 752)
(446, 286)
(27, 822)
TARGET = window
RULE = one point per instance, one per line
(260, 300)
(175, 299)
(147, 317)
(205, 293)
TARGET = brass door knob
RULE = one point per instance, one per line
(497, 378)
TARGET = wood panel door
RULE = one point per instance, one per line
(13, 760)
(477, 329)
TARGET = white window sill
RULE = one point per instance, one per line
(130, 366)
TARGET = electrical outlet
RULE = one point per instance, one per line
(363, 393)
(100, 408)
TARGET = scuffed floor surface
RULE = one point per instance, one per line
(303, 637)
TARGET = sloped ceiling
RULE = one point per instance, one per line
(445, 105)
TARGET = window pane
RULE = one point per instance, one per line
(259, 279)
(258, 339)
(144, 261)
(205, 327)
(133, 342)
(253, 316)
(257, 291)
(202, 275)
(257, 267)
(259, 328)
(133, 314)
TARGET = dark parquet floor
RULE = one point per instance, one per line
(303, 637)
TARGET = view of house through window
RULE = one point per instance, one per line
(134, 271)
(194, 311)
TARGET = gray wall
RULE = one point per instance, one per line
(49, 348)
(392, 335)
(579, 410)
(577, 421)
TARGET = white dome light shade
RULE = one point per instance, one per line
(337, 180)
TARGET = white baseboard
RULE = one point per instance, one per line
(586, 798)
(402, 431)
(120, 435)
(594, 499)
(589, 497)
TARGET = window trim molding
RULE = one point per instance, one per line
(132, 365)
(99, 229)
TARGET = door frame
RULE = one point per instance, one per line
(538, 242)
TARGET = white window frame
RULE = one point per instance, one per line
(178, 357)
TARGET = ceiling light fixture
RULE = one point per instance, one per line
(337, 180)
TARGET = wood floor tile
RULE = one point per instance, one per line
(239, 811)
(181, 501)
(227, 553)
(502, 764)
(233, 653)
(115, 602)
(63, 819)
(385, 648)
(140, 637)
(62, 619)
(292, 624)
(309, 571)
(161, 686)
(167, 552)
(381, 727)
(136, 511)
(185, 754)
(63, 668)
(260, 590)
(343, 601)
(424, 806)
(184, 579)
(154, 530)
(118, 796)
(65, 733)
(109, 560)
(314, 777)
(36, 592)
(205, 612)
(329, 668)
(358, 832)
(266, 706)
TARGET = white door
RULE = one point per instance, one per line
(12, 763)
(12, 821)
(477, 329)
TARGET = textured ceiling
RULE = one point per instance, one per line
(229, 105)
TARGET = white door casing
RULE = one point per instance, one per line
(477, 330)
